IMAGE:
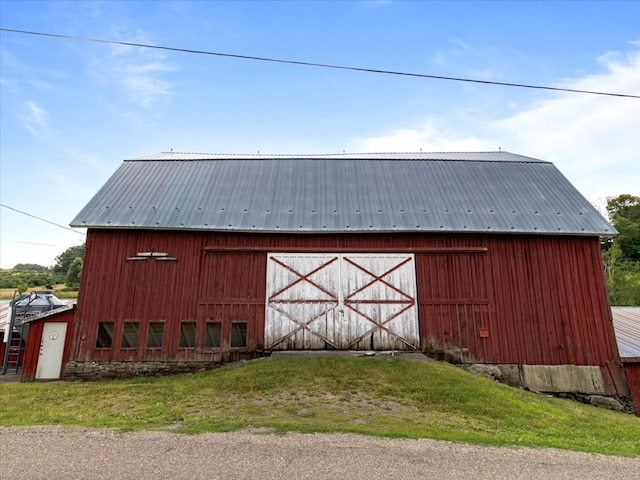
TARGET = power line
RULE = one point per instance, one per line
(35, 243)
(313, 64)
(40, 218)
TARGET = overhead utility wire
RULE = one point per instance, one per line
(35, 243)
(312, 64)
(39, 218)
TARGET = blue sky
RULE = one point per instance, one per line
(71, 111)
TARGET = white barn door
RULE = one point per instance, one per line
(341, 301)
(52, 342)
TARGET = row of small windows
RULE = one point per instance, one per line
(155, 335)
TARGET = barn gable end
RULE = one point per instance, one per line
(194, 260)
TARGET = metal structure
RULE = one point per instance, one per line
(626, 321)
(486, 192)
(24, 306)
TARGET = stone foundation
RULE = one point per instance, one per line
(93, 371)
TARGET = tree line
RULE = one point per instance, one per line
(67, 270)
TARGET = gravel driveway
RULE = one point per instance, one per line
(53, 453)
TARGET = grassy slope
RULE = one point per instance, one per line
(396, 398)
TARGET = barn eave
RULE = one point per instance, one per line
(311, 231)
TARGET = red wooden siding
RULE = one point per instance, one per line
(551, 302)
(233, 290)
(632, 371)
(457, 306)
(116, 290)
(497, 298)
(34, 335)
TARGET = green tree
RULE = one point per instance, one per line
(624, 213)
(66, 258)
(624, 205)
(621, 254)
(72, 278)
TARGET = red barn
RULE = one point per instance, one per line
(626, 322)
(196, 259)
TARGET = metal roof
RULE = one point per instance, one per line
(626, 322)
(5, 311)
(496, 192)
(51, 313)
(451, 156)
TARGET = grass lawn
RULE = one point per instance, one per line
(391, 398)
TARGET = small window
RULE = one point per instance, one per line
(187, 334)
(238, 334)
(214, 333)
(154, 334)
(105, 335)
(130, 335)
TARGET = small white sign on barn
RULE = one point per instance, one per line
(341, 301)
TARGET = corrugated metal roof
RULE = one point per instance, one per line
(451, 156)
(418, 192)
(626, 322)
(51, 313)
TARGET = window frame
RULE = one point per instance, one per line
(102, 329)
(124, 335)
(192, 335)
(243, 333)
(151, 323)
(213, 324)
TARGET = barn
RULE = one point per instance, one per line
(626, 322)
(488, 257)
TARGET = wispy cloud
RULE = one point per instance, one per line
(444, 57)
(592, 139)
(35, 119)
(143, 80)
(429, 137)
(139, 71)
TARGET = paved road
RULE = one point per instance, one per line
(54, 453)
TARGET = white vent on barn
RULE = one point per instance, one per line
(158, 256)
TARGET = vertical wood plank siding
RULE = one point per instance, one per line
(632, 371)
(233, 290)
(533, 300)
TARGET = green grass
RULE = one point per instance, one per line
(391, 398)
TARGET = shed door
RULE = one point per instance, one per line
(51, 350)
(341, 301)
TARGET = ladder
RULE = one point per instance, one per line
(14, 343)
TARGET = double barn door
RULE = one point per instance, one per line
(341, 301)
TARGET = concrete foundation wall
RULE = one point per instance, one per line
(584, 384)
(563, 379)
